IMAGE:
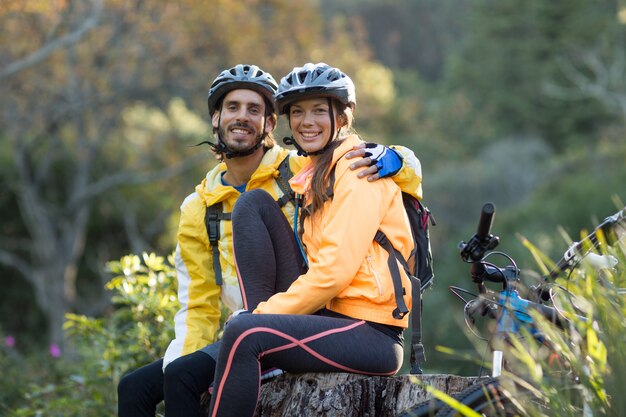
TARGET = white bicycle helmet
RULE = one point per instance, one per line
(315, 80)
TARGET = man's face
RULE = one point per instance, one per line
(242, 114)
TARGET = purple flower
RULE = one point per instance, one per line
(9, 341)
(55, 351)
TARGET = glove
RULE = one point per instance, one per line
(386, 159)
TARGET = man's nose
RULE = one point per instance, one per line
(242, 113)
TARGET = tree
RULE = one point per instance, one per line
(512, 49)
(88, 117)
(61, 121)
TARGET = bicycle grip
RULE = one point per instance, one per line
(486, 219)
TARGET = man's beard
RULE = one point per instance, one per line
(235, 145)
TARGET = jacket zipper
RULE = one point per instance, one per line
(369, 261)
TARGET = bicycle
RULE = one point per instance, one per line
(510, 310)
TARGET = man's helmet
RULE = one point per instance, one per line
(319, 80)
(248, 77)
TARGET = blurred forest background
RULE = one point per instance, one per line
(519, 103)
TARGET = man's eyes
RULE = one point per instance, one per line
(234, 107)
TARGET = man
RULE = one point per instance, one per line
(243, 115)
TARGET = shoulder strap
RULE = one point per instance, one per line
(284, 175)
(417, 348)
(399, 292)
(214, 215)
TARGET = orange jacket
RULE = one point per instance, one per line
(348, 271)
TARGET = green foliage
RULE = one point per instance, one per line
(537, 193)
(513, 50)
(576, 370)
(83, 383)
(582, 369)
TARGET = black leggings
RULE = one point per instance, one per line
(140, 391)
(323, 342)
(266, 253)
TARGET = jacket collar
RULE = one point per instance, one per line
(301, 181)
(212, 191)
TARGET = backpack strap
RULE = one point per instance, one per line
(417, 348)
(214, 215)
(418, 355)
(284, 175)
(401, 309)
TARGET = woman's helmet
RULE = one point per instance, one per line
(248, 77)
(319, 80)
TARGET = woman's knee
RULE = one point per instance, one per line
(239, 326)
(251, 201)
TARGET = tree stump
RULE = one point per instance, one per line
(350, 395)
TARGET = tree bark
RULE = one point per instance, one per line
(350, 395)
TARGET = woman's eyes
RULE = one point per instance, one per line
(319, 110)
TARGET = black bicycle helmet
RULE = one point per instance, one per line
(315, 80)
(249, 77)
(242, 76)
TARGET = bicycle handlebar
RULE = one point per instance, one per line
(483, 240)
(485, 222)
(489, 303)
(609, 229)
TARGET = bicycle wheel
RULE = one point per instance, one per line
(426, 408)
(485, 398)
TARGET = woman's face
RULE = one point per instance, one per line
(310, 123)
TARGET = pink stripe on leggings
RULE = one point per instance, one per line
(295, 342)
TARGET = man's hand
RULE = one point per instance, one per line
(380, 161)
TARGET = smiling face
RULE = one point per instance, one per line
(241, 119)
(310, 123)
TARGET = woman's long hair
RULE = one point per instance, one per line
(319, 181)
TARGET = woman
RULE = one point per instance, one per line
(324, 296)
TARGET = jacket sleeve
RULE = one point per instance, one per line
(197, 320)
(409, 178)
(350, 222)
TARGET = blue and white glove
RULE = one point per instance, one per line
(386, 159)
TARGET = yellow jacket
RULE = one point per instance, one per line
(198, 320)
(348, 271)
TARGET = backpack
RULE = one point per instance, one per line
(215, 214)
(419, 268)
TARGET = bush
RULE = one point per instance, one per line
(83, 382)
